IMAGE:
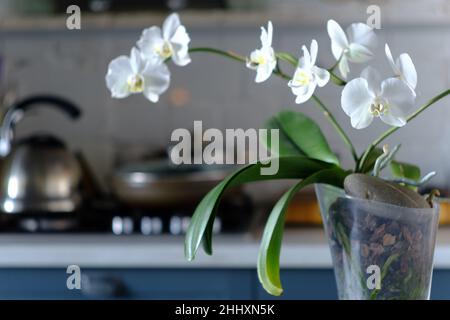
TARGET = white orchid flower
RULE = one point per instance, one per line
(368, 97)
(403, 68)
(308, 76)
(170, 42)
(263, 60)
(129, 75)
(356, 46)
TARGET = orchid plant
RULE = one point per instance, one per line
(304, 153)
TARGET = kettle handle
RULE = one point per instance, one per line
(64, 105)
(16, 112)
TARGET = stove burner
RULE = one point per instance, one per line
(43, 224)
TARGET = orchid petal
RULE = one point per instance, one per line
(135, 60)
(180, 41)
(304, 93)
(302, 63)
(358, 53)
(393, 119)
(344, 68)
(170, 26)
(269, 33)
(313, 51)
(119, 70)
(407, 70)
(322, 76)
(356, 100)
(361, 119)
(150, 38)
(180, 37)
(398, 95)
(306, 58)
(373, 79)
(181, 58)
(338, 38)
(263, 72)
(157, 79)
(266, 35)
(403, 68)
(362, 34)
(390, 59)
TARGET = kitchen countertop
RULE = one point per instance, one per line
(302, 248)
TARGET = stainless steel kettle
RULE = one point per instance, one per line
(38, 173)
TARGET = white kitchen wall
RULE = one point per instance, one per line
(219, 92)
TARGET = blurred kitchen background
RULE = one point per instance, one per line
(39, 55)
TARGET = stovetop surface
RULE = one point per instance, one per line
(109, 217)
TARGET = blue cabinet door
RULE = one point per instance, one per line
(311, 284)
(320, 284)
(178, 284)
(128, 284)
(440, 285)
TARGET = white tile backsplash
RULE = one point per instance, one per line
(219, 92)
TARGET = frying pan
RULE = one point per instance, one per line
(159, 183)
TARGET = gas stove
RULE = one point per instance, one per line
(109, 217)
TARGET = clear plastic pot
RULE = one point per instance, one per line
(379, 251)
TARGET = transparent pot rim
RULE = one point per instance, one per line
(341, 194)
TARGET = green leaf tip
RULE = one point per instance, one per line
(268, 266)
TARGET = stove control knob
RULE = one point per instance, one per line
(151, 226)
(146, 226)
(175, 225)
(117, 225)
(185, 221)
(157, 225)
(122, 225)
(128, 226)
(217, 226)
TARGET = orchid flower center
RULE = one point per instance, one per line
(135, 83)
(379, 108)
(165, 51)
(345, 52)
(258, 59)
(302, 78)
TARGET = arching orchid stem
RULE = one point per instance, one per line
(287, 57)
(334, 65)
(223, 53)
(337, 80)
(329, 116)
(390, 131)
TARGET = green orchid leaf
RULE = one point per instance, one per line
(200, 228)
(207, 237)
(371, 159)
(306, 135)
(286, 146)
(403, 170)
(269, 252)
